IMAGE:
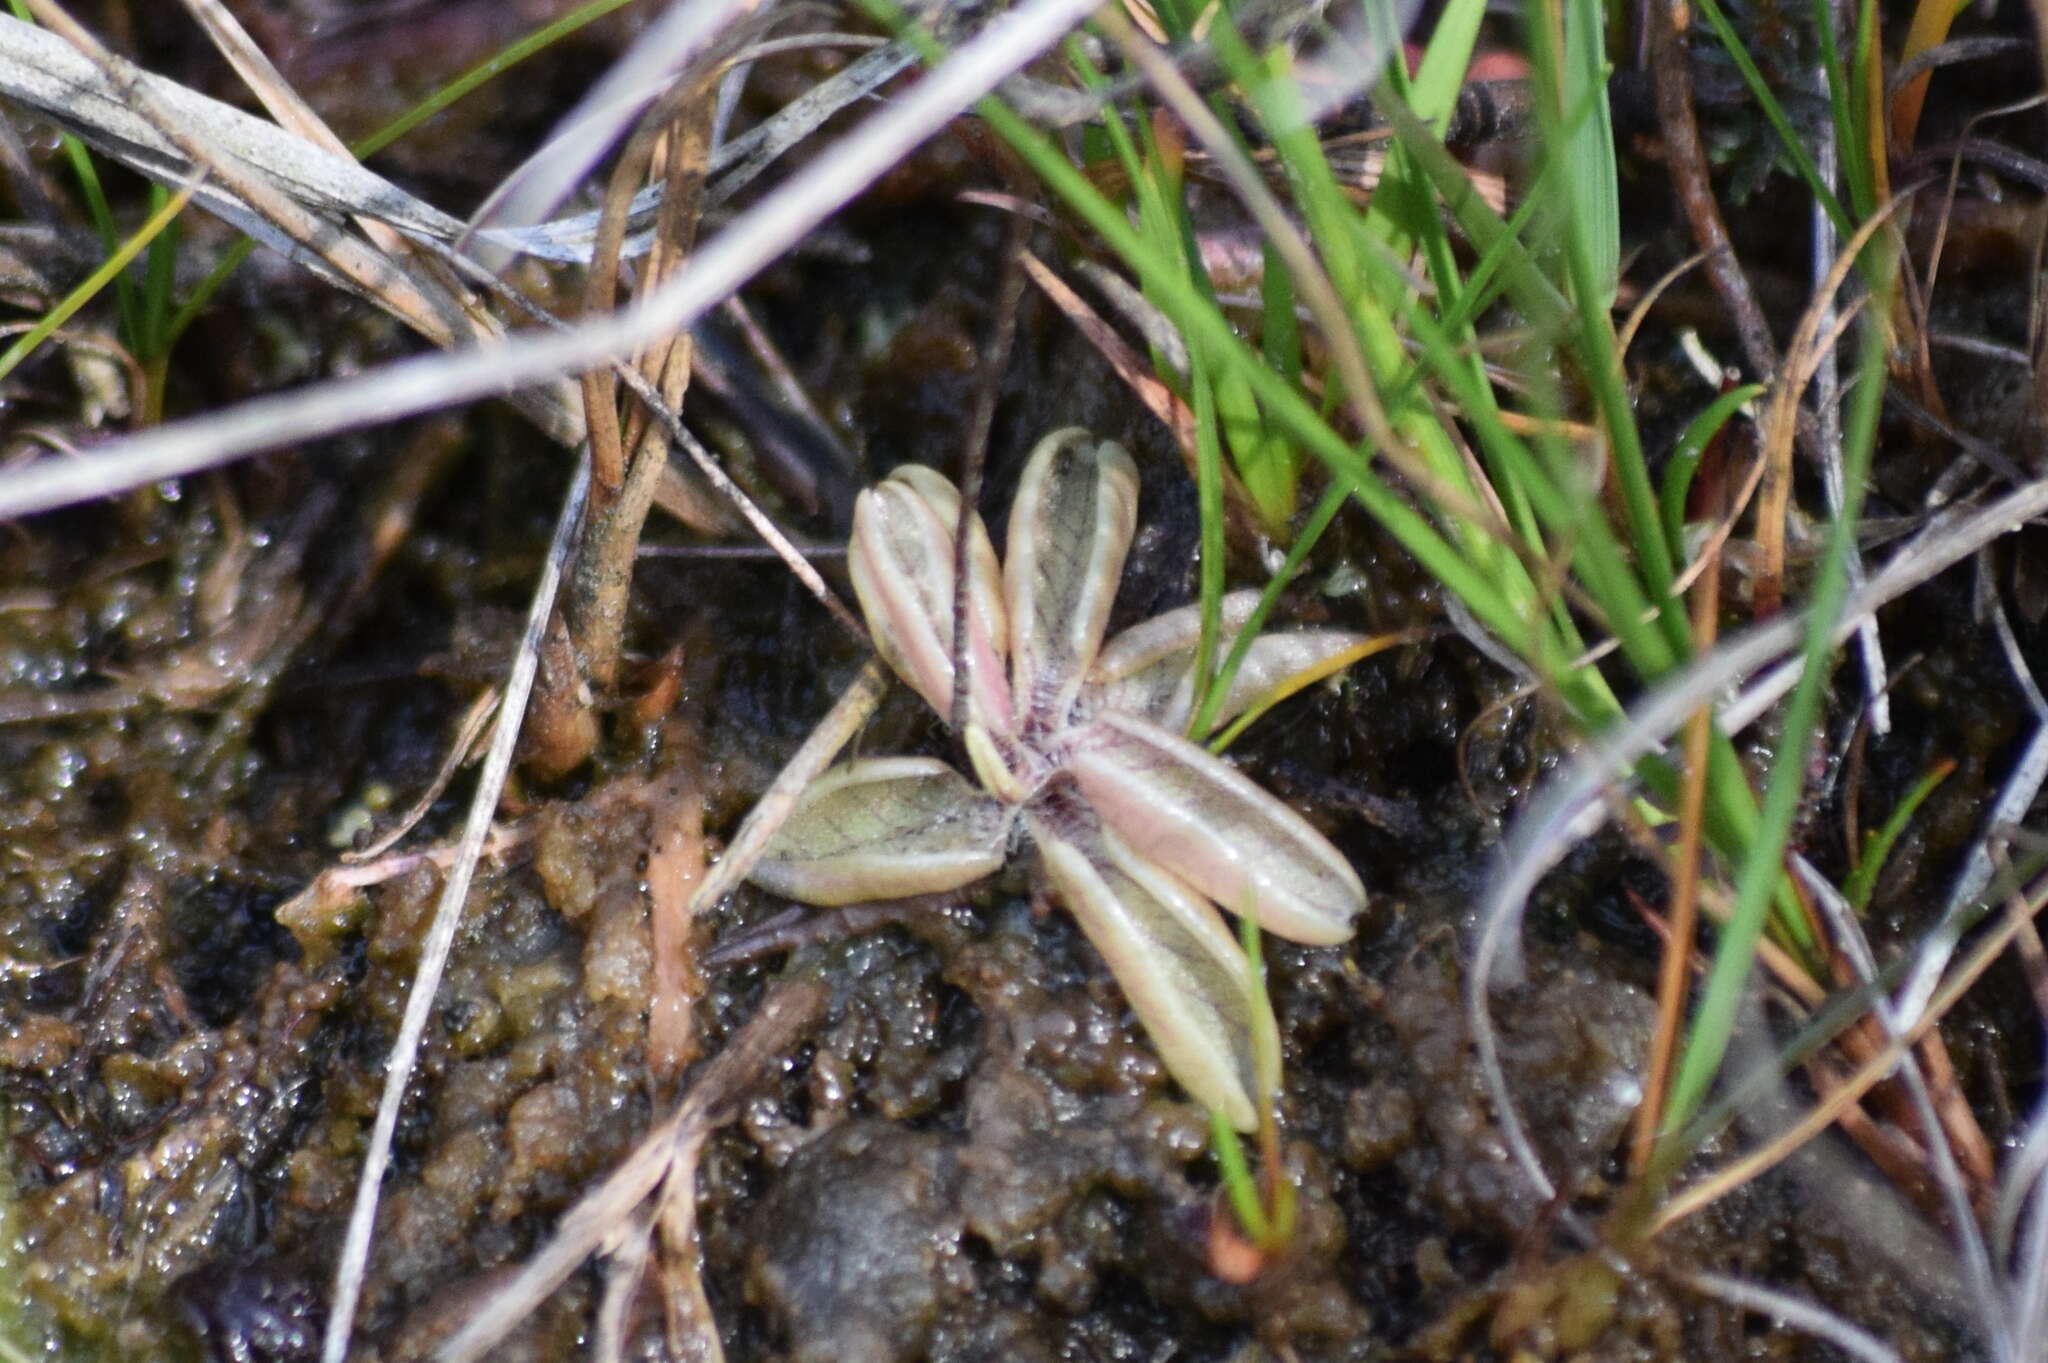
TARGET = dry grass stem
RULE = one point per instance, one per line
(355, 1251)
(1694, 186)
(1823, 1324)
(687, 31)
(1812, 341)
(468, 730)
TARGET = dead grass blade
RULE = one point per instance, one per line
(1694, 187)
(596, 611)
(467, 730)
(1855, 1085)
(43, 71)
(670, 46)
(1819, 1322)
(355, 1251)
(740, 161)
(421, 303)
(299, 118)
(708, 466)
(1814, 339)
(1137, 375)
(749, 243)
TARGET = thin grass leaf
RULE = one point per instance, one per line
(88, 289)
(1280, 329)
(159, 278)
(1234, 1173)
(1685, 458)
(87, 174)
(1209, 499)
(1590, 189)
(1284, 404)
(1867, 124)
(1590, 225)
(1440, 76)
(491, 67)
(1774, 112)
(1326, 509)
(1761, 872)
(1877, 847)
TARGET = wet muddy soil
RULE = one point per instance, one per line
(209, 692)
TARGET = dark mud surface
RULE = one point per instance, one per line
(208, 691)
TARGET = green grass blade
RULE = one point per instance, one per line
(1774, 112)
(86, 172)
(1280, 329)
(109, 270)
(1440, 76)
(491, 67)
(1209, 495)
(160, 277)
(1877, 847)
(1589, 179)
(1685, 458)
(1326, 508)
(1240, 1186)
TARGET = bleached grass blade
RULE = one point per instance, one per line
(2015, 798)
(2024, 1195)
(262, 76)
(279, 98)
(1822, 1324)
(41, 70)
(355, 1251)
(421, 303)
(748, 244)
(1845, 929)
(668, 47)
(760, 147)
(733, 164)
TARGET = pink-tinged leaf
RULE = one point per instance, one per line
(901, 559)
(1212, 826)
(1149, 669)
(1184, 975)
(883, 828)
(1070, 528)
